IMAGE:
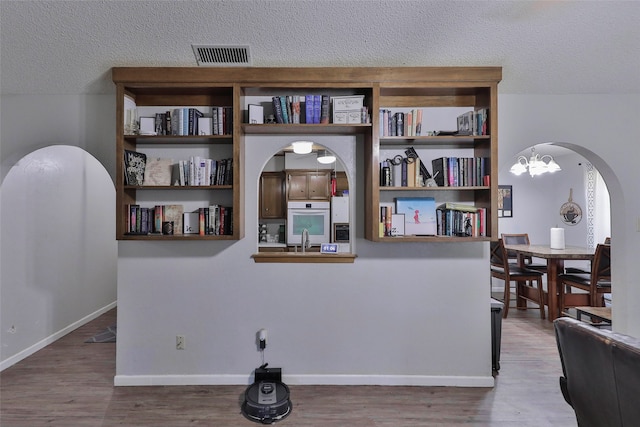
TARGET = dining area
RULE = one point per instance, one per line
(570, 290)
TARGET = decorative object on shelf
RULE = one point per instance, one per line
(302, 147)
(570, 212)
(536, 165)
(256, 114)
(167, 228)
(325, 157)
(505, 201)
(419, 214)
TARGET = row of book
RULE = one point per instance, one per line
(198, 171)
(454, 219)
(400, 123)
(419, 216)
(192, 121)
(139, 169)
(473, 122)
(461, 171)
(211, 220)
(295, 109)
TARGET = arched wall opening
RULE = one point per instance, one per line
(537, 200)
(274, 234)
(59, 253)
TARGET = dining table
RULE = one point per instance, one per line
(555, 267)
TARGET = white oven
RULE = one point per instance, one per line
(312, 216)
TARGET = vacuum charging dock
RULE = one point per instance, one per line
(267, 399)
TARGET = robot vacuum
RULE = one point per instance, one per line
(267, 399)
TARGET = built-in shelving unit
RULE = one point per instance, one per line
(394, 88)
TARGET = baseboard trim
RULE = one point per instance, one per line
(10, 361)
(380, 380)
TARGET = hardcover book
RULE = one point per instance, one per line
(191, 223)
(419, 214)
(158, 171)
(134, 166)
(324, 109)
(173, 213)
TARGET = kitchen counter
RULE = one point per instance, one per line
(271, 245)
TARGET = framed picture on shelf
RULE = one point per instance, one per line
(419, 215)
(505, 201)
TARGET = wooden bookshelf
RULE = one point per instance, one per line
(382, 87)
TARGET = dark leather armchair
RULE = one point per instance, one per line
(601, 374)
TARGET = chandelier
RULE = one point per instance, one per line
(537, 165)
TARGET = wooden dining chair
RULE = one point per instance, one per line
(522, 239)
(578, 270)
(594, 284)
(525, 279)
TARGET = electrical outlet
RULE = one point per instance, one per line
(180, 343)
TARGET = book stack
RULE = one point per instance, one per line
(473, 122)
(400, 123)
(454, 219)
(293, 109)
(461, 171)
(212, 220)
(199, 171)
(185, 121)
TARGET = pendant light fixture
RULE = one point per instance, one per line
(326, 157)
(535, 164)
(302, 147)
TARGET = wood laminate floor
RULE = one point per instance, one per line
(70, 383)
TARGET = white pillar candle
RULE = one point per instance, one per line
(557, 238)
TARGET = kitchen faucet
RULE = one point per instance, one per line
(305, 240)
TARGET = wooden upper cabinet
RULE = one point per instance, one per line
(272, 195)
(308, 185)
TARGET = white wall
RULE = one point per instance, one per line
(415, 313)
(55, 276)
(537, 200)
(389, 318)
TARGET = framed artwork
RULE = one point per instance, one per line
(505, 201)
(419, 215)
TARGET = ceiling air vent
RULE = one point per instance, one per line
(212, 56)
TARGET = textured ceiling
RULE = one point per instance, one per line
(546, 47)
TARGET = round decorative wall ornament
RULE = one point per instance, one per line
(570, 212)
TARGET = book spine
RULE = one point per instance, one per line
(399, 128)
(201, 222)
(403, 180)
(167, 123)
(283, 107)
(277, 109)
(324, 109)
(303, 108)
(317, 101)
(295, 108)
(309, 109)
(288, 100)
(191, 126)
